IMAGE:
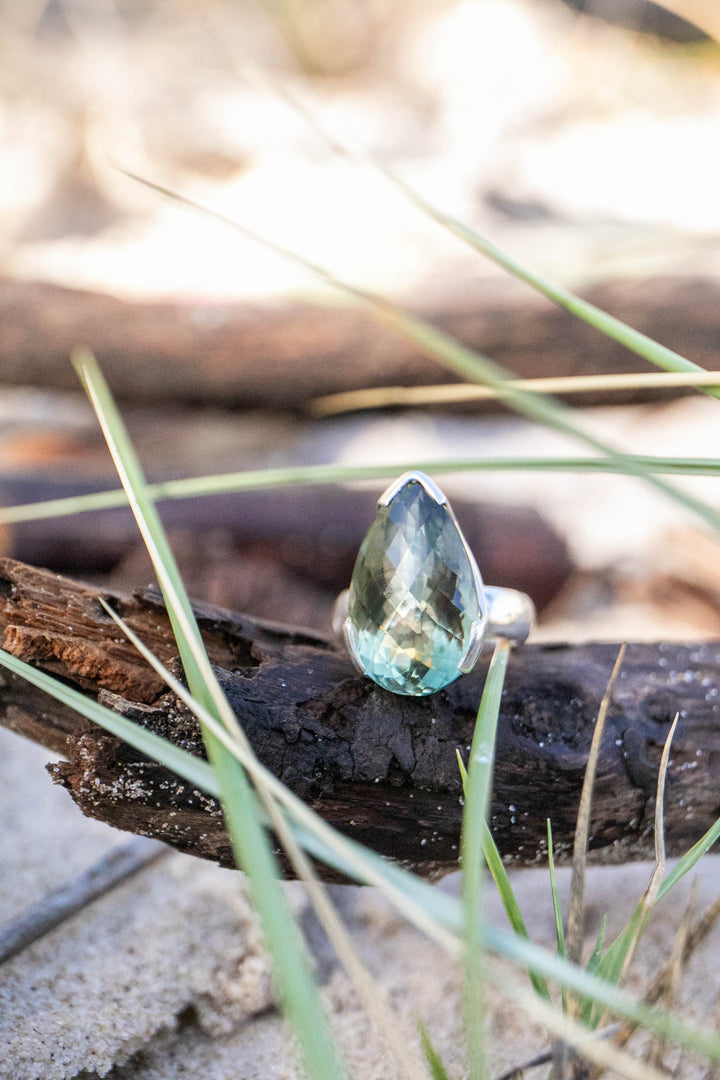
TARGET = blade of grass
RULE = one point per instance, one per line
(437, 1069)
(614, 328)
(575, 936)
(371, 995)
(296, 984)
(592, 967)
(620, 954)
(431, 910)
(502, 884)
(658, 874)
(608, 325)
(587, 1043)
(469, 364)
(560, 1050)
(378, 397)
(291, 800)
(477, 799)
(598, 947)
(545, 410)
(690, 859)
(193, 769)
(311, 475)
(509, 901)
(557, 906)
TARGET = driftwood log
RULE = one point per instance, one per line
(283, 355)
(381, 768)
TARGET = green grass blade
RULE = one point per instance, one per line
(191, 768)
(690, 858)
(473, 366)
(607, 324)
(611, 966)
(437, 1069)
(432, 910)
(592, 968)
(296, 984)
(557, 906)
(505, 890)
(639, 343)
(319, 475)
(509, 901)
(544, 409)
(291, 965)
(597, 952)
(477, 799)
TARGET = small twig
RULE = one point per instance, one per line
(546, 1057)
(114, 868)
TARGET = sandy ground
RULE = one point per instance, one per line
(164, 979)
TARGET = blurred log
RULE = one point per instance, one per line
(381, 768)
(283, 355)
(309, 536)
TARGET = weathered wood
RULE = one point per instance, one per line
(380, 767)
(283, 355)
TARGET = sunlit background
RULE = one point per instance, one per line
(584, 139)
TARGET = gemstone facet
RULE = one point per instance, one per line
(415, 609)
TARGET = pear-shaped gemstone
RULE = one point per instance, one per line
(414, 600)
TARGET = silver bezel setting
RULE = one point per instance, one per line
(348, 633)
(479, 627)
(504, 613)
(414, 477)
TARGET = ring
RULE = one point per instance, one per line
(417, 613)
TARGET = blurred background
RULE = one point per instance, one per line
(582, 137)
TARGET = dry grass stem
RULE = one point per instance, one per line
(650, 894)
(658, 988)
(584, 1042)
(658, 1047)
(574, 937)
(705, 14)
(659, 869)
(454, 393)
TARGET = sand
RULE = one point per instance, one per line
(164, 978)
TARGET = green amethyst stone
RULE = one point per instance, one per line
(413, 601)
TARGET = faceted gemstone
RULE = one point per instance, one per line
(413, 597)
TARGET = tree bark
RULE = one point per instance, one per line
(281, 355)
(381, 768)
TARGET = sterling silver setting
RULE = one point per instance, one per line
(503, 612)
